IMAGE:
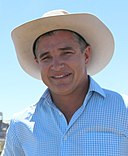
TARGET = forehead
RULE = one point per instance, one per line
(59, 36)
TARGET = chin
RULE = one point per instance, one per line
(62, 91)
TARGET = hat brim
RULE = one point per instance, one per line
(87, 25)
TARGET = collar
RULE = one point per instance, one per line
(95, 87)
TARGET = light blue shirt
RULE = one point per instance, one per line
(98, 128)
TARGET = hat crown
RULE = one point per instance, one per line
(55, 13)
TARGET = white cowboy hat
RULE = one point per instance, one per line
(87, 25)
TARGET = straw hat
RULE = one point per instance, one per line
(87, 25)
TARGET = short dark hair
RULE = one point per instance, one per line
(82, 42)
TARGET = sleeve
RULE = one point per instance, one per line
(12, 146)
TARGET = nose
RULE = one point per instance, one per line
(57, 64)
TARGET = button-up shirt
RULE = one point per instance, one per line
(98, 128)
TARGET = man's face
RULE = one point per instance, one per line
(61, 62)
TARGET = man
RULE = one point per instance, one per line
(75, 116)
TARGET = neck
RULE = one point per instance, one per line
(70, 103)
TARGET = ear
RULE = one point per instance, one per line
(87, 54)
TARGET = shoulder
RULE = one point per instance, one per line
(113, 95)
(22, 118)
(125, 99)
(23, 122)
(28, 116)
(27, 113)
(30, 112)
(110, 93)
(116, 97)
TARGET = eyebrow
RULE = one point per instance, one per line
(66, 48)
(43, 54)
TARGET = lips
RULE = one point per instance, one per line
(60, 76)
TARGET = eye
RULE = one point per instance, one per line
(67, 52)
(45, 58)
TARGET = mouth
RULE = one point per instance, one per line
(60, 76)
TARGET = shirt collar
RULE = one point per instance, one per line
(46, 97)
(93, 87)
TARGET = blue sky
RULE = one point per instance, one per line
(17, 89)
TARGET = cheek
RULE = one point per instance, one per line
(79, 63)
(44, 78)
(43, 71)
(43, 67)
(80, 68)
